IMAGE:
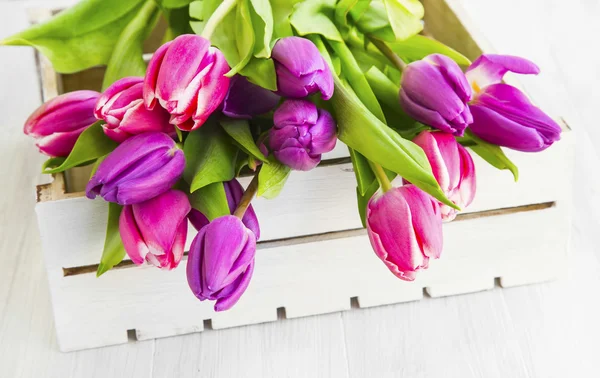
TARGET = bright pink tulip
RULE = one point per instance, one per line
(187, 77)
(405, 229)
(155, 230)
(57, 124)
(452, 167)
(122, 107)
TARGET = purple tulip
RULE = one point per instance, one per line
(452, 167)
(139, 169)
(155, 230)
(221, 261)
(435, 91)
(246, 100)
(301, 70)
(187, 77)
(122, 107)
(57, 124)
(234, 192)
(301, 133)
(405, 229)
(502, 114)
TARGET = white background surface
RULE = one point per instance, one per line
(548, 330)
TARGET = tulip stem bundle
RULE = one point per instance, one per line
(270, 86)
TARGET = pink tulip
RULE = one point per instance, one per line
(405, 230)
(57, 124)
(155, 231)
(452, 167)
(122, 107)
(187, 77)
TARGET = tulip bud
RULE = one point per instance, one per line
(155, 230)
(502, 114)
(301, 70)
(301, 133)
(221, 261)
(405, 230)
(452, 167)
(246, 100)
(187, 77)
(234, 192)
(121, 106)
(57, 124)
(139, 169)
(436, 92)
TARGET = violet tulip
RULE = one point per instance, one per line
(57, 124)
(405, 229)
(301, 133)
(187, 77)
(246, 100)
(502, 114)
(139, 169)
(155, 230)
(435, 91)
(221, 261)
(234, 192)
(301, 70)
(121, 106)
(452, 167)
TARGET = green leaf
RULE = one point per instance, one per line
(362, 171)
(386, 91)
(201, 11)
(261, 72)
(282, 9)
(262, 22)
(90, 145)
(210, 156)
(178, 20)
(244, 37)
(359, 129)
(374, 21)
(53, 162)
(405, 17)
(114, 251)
(174, 3)
(82, 36)
(313, 17)
(418, 47)
(272, 178)
(210, 200)
(126, 59)
(489, 152)
(239, 130)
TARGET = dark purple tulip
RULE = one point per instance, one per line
(301, 133)
(221, 261)
(234, 192)
(139, 169)
(301, 70)
(502, 114)
(435, 91)
(246, 100)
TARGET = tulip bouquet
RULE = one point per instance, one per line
(261, 88)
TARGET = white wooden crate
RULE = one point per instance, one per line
(313, 257)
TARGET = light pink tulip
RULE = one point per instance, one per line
(452, 167)
(405, 229)
(122, 107)
(187, 77)
(155, 230)
(57, 124)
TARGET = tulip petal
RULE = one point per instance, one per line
(132, 239)
(468, 182)
(59, 143)
(453, 75)
(426, 220)
(194, 264)
(213, 88)
(428, 116)
(323, 134)
(152, 72)
(490, 69)
(297, 158)
(299, 55)
(232, 293)
(245, 100)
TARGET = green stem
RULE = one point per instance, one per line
(216, 18)
(381, 177)
(247, 197)
(385, 50)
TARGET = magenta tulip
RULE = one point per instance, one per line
(502, 114)
(221, 261)
(435, 91)
(121, 106)
(452, 167)
(234, 192)
(187, 77)
(155, 231)
(301, 70)
(57, 124)
(246, 100)
(301, 133)
(405, 229)
(139, 169)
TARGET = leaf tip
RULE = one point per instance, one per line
(102, 268)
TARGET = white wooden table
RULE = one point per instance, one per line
(549, 330)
